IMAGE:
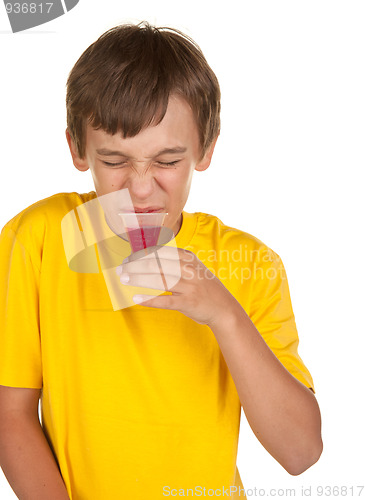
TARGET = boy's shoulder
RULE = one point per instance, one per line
(48, 210)
(223, 235)
(31, 225)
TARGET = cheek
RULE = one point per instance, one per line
(108, 180)
(185, 179)
(177, 185)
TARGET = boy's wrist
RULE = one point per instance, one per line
(228, 320)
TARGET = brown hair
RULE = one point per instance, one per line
(123, 81)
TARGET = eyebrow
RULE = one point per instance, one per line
(165, 151)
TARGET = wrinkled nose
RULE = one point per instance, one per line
(141, 185)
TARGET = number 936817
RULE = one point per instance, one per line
(29, 8)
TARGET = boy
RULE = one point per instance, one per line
(145, 401)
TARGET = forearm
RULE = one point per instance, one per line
(28, 462)
(282, 412)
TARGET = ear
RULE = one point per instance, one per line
(80, 163)
(207, 158)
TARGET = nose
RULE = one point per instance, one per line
(141, 184)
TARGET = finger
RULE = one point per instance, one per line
(160, 302)
(154, 265)
(182, 254)
(164, 252)
(149, 260)
(156, 281)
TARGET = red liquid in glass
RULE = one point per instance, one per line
(143, 237)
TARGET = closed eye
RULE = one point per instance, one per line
(110, 164)
(168, 164)
(163, 164)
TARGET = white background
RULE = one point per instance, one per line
(287, 168)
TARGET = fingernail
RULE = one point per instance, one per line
(124, 278)
(137, 299)
(118, 270)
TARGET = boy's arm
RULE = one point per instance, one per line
(282, 412)
(25, 456)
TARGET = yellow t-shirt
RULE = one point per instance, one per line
(137, 403)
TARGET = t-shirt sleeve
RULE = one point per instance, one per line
(272, 313)
(20, 348)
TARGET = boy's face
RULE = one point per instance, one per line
(156, 165)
